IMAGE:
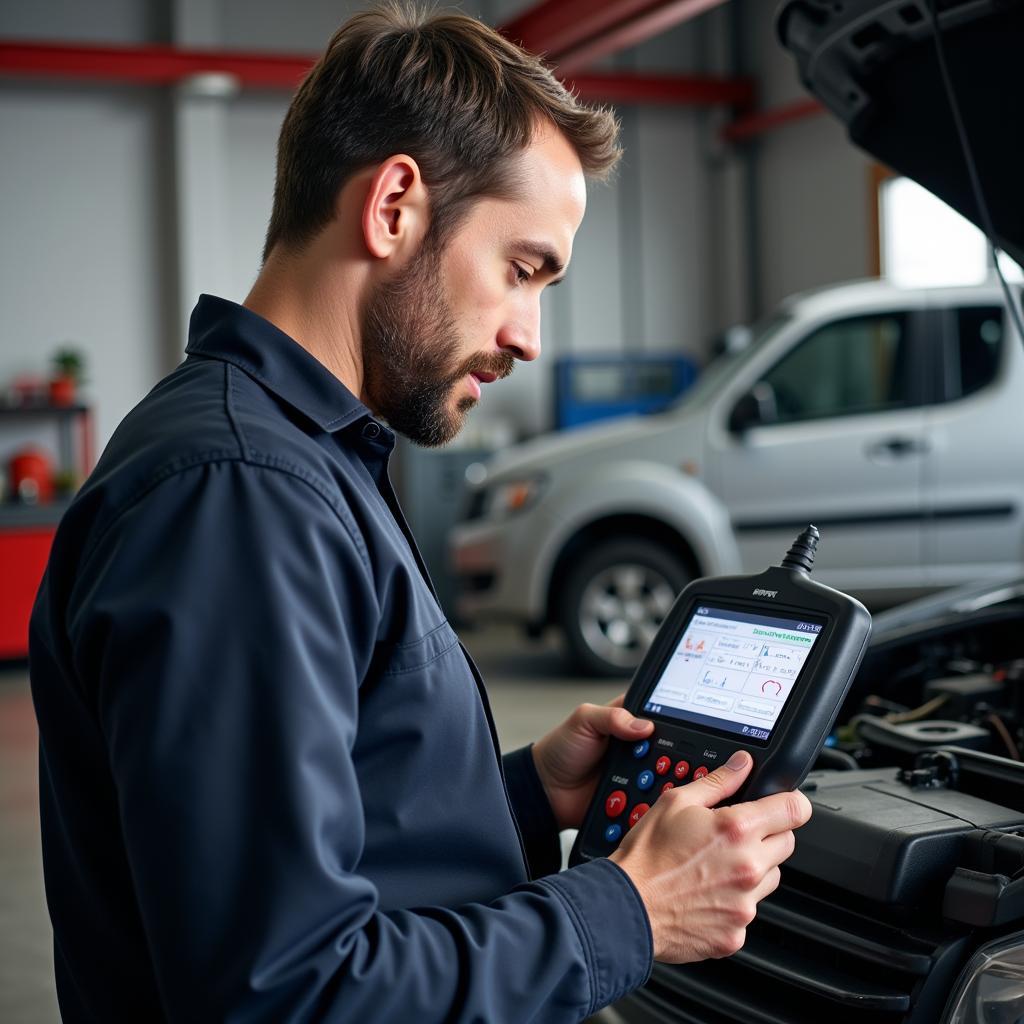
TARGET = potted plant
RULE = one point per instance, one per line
(68, 373)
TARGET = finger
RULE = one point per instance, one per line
(768, 884)
(717, 785)
(616, 702)
(773, 814)
(778, 848)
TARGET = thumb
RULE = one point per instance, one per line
(617, 721)
(719, 784)
(601, 720)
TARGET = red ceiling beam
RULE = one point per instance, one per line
(151, 65)
(165, 65)
(680, 90)
(554, 26)
(660, 18)
(575, 33)
(751, 125)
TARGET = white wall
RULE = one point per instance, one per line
(812, 185)
(71, 21)
(813, 201)
(83, 188)
(252, 126)
(81, 250)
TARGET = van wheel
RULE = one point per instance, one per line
(613, 601)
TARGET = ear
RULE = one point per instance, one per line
(396, 212)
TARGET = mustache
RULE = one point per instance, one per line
(500, 365)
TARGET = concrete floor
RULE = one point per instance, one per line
(530, 692)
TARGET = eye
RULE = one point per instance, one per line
(521, 275)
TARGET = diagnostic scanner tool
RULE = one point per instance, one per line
(757, 663)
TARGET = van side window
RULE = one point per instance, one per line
(845, 368)
(977, 349)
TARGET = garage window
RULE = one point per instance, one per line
(849, 367)
(926, 243)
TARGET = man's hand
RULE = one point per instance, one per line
(701, 870)
(568, 757)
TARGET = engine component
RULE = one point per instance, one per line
(964, 692)
(914, 737)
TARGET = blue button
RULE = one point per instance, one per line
(613, 833)
(645, 780)
(640, 750)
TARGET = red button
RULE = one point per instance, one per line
(700, 773)
(662, 765)
(668, 786)
(615, 804)
(682, 769)
(637, 813)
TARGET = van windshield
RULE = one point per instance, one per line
(724, 366)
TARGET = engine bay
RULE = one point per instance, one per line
(939, 672)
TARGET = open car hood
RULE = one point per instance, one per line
(873, 64)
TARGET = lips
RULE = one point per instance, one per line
(503, 366)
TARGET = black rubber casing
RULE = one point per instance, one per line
(781, 763)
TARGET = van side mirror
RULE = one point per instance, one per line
(755, 409)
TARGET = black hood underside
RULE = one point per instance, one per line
(873, 64)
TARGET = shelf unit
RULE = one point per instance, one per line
(27, 531)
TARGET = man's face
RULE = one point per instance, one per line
(457, 319)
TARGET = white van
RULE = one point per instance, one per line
(889, 418)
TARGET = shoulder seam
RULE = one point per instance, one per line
(274, 464)
(229, 409)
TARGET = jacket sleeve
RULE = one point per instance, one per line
(533, 812)
(223, 624)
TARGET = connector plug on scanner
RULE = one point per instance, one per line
(801, 554)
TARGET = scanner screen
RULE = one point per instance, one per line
(733, 670)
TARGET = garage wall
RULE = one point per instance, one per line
(99, 21)
(121, 204)
(175, 190)
(811, 186)
(83, 204)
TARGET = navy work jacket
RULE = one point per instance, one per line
(270, 783)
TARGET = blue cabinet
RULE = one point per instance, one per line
(598, 387)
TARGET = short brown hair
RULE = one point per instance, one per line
(444, 88)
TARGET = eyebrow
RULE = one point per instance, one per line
(543, 254)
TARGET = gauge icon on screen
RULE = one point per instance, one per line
(771, 687)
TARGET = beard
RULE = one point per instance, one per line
(410, 351)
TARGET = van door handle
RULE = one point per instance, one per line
(897, 448)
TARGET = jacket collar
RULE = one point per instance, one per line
(220, 329)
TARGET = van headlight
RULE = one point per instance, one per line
(991, 988)
(514, 496)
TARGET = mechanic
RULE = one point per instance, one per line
(270, 782)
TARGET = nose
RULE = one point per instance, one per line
(521, 337)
